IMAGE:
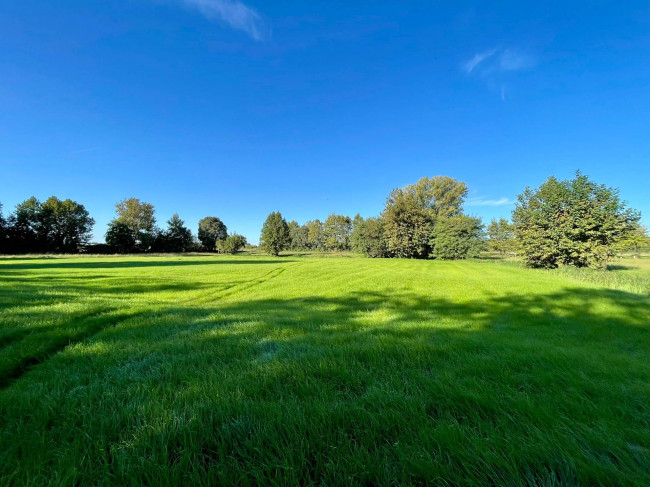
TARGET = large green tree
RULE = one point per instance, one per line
(368, 237)
(315, 234)
(407, 226)
(298, 235)
(4, 233)
(139, 217)
(275, 234)
(66, 225)
(27, 230)
(120, 237)
(53, 226)
(574, 222)
(178, 237)
(501, 236)
(457, 237)
(410, 214)
(336, 232)
(211, 230)
(635, 241)
(441, 195)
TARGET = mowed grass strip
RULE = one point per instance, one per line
(257, 370)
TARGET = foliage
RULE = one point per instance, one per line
(410, 214)
(368, 238)
(457, 237)
(275, 234)
(336, 232)
(139, 218)
(501, 236)
(407, 226)
(4, 233)
(315, 237)
(211, 230)
(52, 226)
(442, 196)
(65, 225)
(575, 222)
(635, 241)
(120, 237)
(26, 227)
(177, 237)
(232, 244)
(299, 236)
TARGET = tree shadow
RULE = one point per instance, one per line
(125, 264)
(615, 267)
(387, 387)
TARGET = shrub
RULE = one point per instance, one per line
(232, 244)
(457, 237)
(575, 222)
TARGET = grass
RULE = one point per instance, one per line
(624, 273)
(250, 370)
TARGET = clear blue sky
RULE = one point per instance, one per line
(216, 107)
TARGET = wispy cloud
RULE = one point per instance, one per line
(512, 60)
(494, 60)
(477, 59)
(486, 202)
(496, 67)
(233, 13)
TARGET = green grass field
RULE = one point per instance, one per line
(254, 370)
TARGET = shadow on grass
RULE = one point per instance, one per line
(121, 264)
(376, 388)
(614, 267)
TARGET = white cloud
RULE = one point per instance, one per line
(498, 60)
(484, 202)
(477, 59)
(497, 68)
(233, 13)
(511, 60)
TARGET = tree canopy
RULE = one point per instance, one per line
(177, 237)
(457, 237)
(275, 234)
(574, 222)
(501, 236)
(336, 232)
(232, 243)
(211, 230)
(411, 212)
(53, 226)
(139, 217)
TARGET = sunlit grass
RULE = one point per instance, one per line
(255, 370)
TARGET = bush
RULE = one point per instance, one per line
(368, 238)
(457, 237)
(211, 230)
(576, 222)
(232, 244)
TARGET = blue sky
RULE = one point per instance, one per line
(217, 107)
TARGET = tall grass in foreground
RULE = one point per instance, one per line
(221, 370)
(614, 278)
(625, 274)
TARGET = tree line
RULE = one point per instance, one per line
(574, 222)
(56, 226)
